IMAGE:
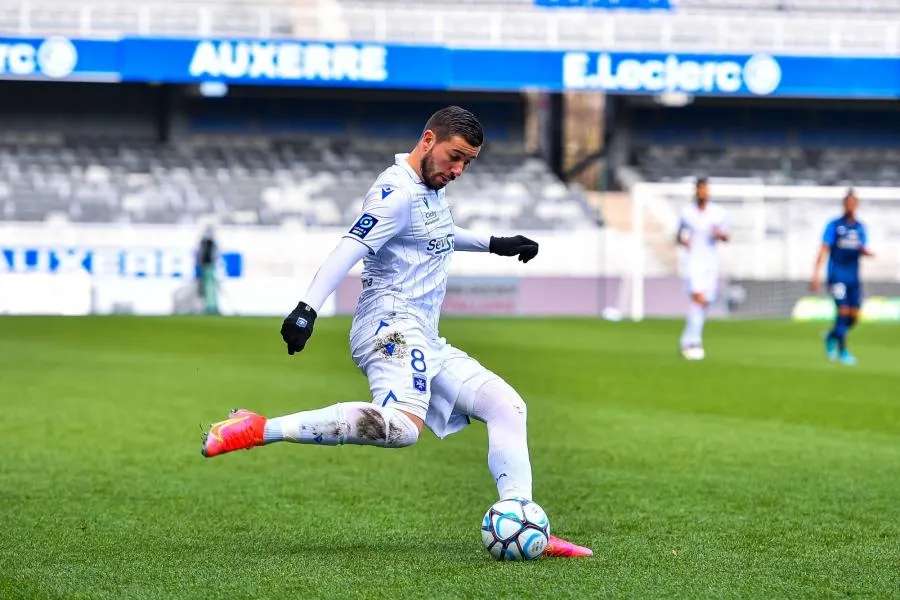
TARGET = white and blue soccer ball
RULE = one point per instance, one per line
(515, 529)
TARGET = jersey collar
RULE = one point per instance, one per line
(400, 159)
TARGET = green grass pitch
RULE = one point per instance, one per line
(762, 472)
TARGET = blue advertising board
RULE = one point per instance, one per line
(748, 75)
(59, 58)
(165, 263)
(285, 62)
(299, 63)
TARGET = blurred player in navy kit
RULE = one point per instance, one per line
(844, 242)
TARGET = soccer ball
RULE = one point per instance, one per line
(515, 529)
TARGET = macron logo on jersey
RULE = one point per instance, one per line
(386, 191)
(363, 226)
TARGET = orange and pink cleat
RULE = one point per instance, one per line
(560, 547)
(242, 430)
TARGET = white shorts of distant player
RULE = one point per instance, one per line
(417, 373)
(702, 279)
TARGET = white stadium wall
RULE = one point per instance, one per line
(70, 268)
(629, 268)
(776, 232)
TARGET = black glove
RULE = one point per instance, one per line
(298, 327)
(518, 245)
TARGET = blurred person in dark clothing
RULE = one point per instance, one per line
(207, 287)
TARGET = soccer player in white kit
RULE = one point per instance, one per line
(702, 225)
(405, 237)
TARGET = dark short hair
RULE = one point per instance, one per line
(455, 121)
(701, 180)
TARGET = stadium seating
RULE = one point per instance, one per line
(792, 26)
(756, 6)
(773, 165)
(791, 6)
(694, 25)
(812, 146)
(316, 183)
(155, 17)
(681, 6)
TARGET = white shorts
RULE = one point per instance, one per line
(417, 373)
(704, 281)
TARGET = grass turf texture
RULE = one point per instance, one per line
(764, 471)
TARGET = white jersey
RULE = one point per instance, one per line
(701, 253)
(408, 229)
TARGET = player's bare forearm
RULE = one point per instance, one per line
(720, 235)
(820, 260)
(867, 252)
(824, 251)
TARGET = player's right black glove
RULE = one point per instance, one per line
(298, 327)
(517, 245)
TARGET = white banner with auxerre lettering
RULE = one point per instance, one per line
(79, 269)
(148, 270)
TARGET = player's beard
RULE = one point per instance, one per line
(428, 172)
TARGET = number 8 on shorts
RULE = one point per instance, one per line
(418, 360)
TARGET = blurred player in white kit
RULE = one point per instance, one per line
(702, 225)
(405, 237)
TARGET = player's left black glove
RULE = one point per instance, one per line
(298, 327)
(518, 245)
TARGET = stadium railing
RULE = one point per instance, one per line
(512, 26)
(608, 4)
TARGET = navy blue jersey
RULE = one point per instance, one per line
(846, 241)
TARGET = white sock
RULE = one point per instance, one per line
(692, 335)
(697, 319)
(504, 412)
(686, 332)
(360, 423)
